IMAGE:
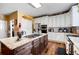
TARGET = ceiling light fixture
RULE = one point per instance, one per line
(36, 5)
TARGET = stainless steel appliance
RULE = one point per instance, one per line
(44, 28)
(69, 46)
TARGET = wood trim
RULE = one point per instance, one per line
(56, 13)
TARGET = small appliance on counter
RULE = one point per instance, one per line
(60, 29)
(65, 30)
(50, 29)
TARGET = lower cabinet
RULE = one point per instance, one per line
(32, 48)
(35, 47)
(39, 45)
(59, 37)
(25, 49)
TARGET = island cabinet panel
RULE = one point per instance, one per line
(46, 40)
(5, 50)
(25, 49)
(34, 47)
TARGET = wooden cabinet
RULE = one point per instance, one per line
(34, 47)
(58, 21)
(75, 15)
(50, 21)
(44, 20)
(68, 20)
(25, 49)
(62, 20)
(46, 40)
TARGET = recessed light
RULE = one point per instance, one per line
(36, 5)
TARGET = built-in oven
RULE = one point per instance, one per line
(44, 28)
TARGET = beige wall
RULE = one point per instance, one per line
(22, 15)
(16, 15)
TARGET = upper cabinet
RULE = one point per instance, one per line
(62, 20)
(68, 20)
(75, 15)
(51, 21)
(44, 20)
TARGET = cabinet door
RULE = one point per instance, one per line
(67, 20)
(54, 21)
(37, 20)
(49, 35)
(50, 22)
(42, 20)
(46, 20)
(58, 21)
(75, 16)
(62, 20)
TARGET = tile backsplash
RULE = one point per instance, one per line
(59, 29)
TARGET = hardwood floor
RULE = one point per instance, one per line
(51, 49)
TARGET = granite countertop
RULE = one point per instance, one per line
(11, 42)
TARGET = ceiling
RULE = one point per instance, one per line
(47, 8)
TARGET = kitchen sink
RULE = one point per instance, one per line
(32, 36)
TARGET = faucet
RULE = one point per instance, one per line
(19, 36)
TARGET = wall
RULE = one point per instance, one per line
(9, 17)
(26, 22)
(19, 16)
(3, 28)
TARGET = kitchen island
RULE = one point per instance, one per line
(25, 46)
